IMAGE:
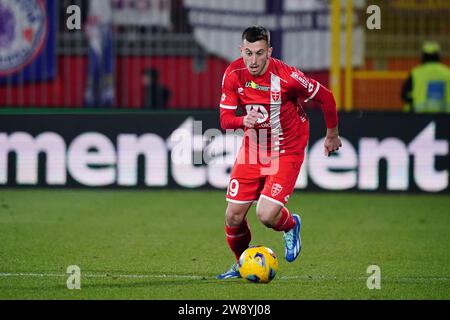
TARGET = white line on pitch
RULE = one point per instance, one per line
(389, 279)
(91, 275)
(178, 276)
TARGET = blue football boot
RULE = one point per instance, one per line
(293, 243)
(233, 273)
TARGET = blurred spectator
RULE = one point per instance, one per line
(156, 95)
(427, 89)
(100, 84)
(179, 17)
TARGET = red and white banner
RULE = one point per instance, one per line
(300, 30)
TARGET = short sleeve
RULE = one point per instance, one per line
(229, 99)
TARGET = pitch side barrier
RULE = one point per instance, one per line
(381, 151)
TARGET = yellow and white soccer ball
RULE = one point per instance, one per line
(258, 264)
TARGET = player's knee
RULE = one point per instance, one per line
(266, 217)
(234, 217)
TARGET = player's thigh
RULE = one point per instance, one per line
(279, 186)
(267, 211)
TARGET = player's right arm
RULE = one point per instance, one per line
(229, 105)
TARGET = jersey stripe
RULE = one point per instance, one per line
(236, 70)
(228, 107)
(314, 93)
(275, 109)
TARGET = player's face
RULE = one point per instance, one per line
(256, 56)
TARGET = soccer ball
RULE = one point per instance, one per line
(258, 264)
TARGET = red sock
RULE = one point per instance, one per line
(286, 221)
(238, 238)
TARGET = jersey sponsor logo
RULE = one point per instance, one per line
(263, 114)
(300, 79)
(265, 125)
(276, 189)
(254, 85)
(23, 30)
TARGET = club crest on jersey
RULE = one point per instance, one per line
(23, 29)
(254, 85)
(276, 189)
(275, 95)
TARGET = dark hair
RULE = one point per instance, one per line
(152, 73)
(256, 33)
(430, 57)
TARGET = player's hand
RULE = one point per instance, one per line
(332, 141)
(251, 118)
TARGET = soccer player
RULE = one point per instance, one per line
(276, 134)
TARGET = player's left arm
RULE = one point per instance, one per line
(312, 90)
(326, 99)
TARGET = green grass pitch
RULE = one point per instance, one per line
(171, 245)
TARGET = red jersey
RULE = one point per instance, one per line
(276, 95)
